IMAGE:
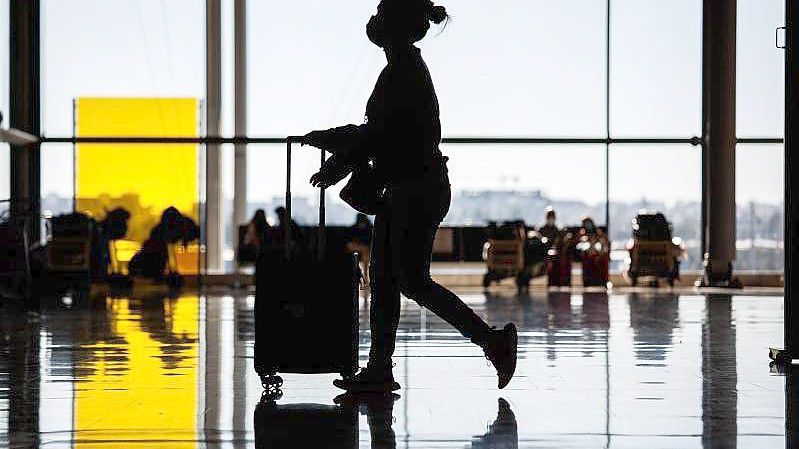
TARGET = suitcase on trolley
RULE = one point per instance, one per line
(306, 305)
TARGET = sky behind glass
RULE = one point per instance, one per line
(504, 68)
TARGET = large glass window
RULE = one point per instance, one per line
(525, 68)
(512, 182)
(489, 182)
(310, 65)
(760, 69)
(760, 105)
(663, 178)
(656, 68)
(126, 48)
(759, 192)
(57, 182)
(529, 68)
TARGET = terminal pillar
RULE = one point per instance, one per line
(240, 116)
(214, 220)
(791, 179)
(24, 114)
(718, 154)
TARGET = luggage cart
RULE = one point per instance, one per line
(69, 251)
(15, 265)
(654, 252)
(512, 251)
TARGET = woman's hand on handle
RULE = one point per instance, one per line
(321, 180)
(334, 170)
(314, 139)
(326, 178)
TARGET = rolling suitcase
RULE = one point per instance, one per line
(306, 306)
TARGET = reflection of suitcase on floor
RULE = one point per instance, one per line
(304, 425)
(306, 308)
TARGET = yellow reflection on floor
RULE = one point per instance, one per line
(142, 382)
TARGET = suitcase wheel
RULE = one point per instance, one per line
(270, 396)
(271, 381)
(272, 384)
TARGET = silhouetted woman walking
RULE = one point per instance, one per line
(400, 139)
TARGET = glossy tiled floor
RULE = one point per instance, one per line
(595, 371)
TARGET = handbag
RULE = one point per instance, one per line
(364, 190)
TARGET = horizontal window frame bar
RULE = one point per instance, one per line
(749, 140)
(211, 140)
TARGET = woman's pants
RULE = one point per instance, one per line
(401, 249)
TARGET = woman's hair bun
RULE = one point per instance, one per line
(437, 14)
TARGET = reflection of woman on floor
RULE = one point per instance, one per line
(379, 410)
(503, 433)
(401, 138)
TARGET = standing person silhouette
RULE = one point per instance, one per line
(401, 139)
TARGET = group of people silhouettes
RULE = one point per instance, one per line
(259, 234)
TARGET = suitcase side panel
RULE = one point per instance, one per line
(306, 316)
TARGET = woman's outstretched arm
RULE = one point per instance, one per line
(394, 115)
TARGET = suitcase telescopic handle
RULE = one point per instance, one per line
(287, 228)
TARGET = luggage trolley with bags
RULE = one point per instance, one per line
(306, 305)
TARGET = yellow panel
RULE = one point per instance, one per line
(117, 400)
(144, 179)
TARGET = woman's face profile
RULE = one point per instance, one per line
(375, 27)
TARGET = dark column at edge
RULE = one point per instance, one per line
(24, 114)
(791, 175)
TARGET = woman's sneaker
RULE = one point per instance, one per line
(369, 380)
(500, 349)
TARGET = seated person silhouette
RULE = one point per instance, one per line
(257, 229)
(550, 230)
(594, 248)
(278, 233)
(255, 237)
(589, 232)
(152, 259)
(113, 227)
(401, 140)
